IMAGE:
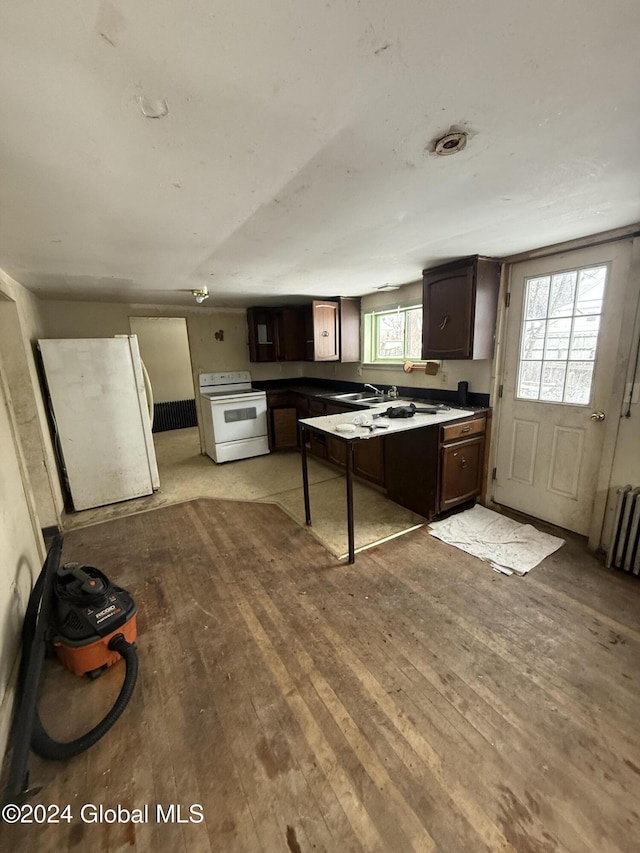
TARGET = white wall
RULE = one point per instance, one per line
(625, 468)
(21, 554)
(20, 328)
(164, 348)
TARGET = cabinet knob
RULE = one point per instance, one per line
(463, 463)
(325, 334)
(466, 429)
(445, 320)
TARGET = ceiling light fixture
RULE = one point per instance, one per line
(200, 294)
(389, 287)
(450, 143)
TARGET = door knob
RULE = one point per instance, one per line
(597, 416)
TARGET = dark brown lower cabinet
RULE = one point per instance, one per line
(428, 470)
(368, 460)
(336, 451)
(284, 427)
(411, 469)
(433, 469)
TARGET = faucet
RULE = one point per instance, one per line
(373, 388)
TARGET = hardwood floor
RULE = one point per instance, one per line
(414, 701)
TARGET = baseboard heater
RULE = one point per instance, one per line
(177, 414)
(624, 552)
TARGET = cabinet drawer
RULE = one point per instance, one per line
(453, 432)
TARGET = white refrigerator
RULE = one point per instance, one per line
(101, 404)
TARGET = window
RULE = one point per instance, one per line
(393, 336)
(559, 336)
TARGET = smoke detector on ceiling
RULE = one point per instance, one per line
(450, 143)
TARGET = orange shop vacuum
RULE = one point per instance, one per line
(90, 623)
(89, 613)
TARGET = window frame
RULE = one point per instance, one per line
(371, 330)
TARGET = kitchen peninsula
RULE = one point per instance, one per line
(433, 461)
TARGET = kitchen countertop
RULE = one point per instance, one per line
(328, 391)
(328, 423)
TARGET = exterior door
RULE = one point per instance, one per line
(562, 333)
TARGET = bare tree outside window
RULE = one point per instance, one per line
(397, 335)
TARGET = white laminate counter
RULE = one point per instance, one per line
(328, 423)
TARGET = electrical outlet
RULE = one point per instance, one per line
(444, 376)
(359, 371)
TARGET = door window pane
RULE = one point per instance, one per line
(559, 335)
(537, 298)
(529, 380)
(533, 340)
(591, 291)
(584, 338)
(552, 386)
(579, 378)
(556, 345)
(562, 296)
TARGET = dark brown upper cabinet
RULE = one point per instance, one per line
(349, 328)
(276, 334)
(289, 333)
(262, 334)
(460, 302)
(324, 330)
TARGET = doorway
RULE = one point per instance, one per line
(164, 348)
(557, 415)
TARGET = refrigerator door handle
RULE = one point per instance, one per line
(148, 391)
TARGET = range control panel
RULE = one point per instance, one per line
(236, 377)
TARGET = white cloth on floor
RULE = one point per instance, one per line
(497, 539)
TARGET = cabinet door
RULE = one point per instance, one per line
(284, 428)
(289, 333)
(262, 334)
(460, 302)
(368, 459)
(461, 471)
(336, 451)
(325, 331)
(448, 309)
(349, 328)
(411, 469)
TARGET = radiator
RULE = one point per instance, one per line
(176, 414)
(624, 552)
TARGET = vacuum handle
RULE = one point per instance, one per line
(88, 584)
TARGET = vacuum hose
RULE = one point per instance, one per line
(46, 747)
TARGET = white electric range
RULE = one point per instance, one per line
(234, 416)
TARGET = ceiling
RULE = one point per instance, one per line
(281, 150)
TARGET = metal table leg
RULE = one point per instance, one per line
(352, 553)
(305, 474)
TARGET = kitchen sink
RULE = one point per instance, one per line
(362, 397)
